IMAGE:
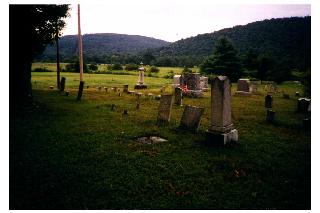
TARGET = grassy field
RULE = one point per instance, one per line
(66, 154)
(164, 71)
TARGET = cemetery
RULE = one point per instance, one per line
(157, 148)
(217, 121)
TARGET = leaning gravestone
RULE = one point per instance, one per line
(268, 101)
(243, 88)
(178, 96)
(176, 81)
(191, 117)
(221, 130)
(164, 110)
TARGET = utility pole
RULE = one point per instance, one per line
(58, 56)
(80, 57)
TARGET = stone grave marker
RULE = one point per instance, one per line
(67, 93)
(62, 84)
(268, 101)
(304, 105)
(221, 130)
(178, 96)
(126, 88)
(243, 87)
(270, 115)
(176, 81)
(164, 110)
(191, 117)
(297, 94)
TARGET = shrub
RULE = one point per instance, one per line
(186, 70)
(117, 67)
(154, 69)
(44, 69)
(93, 67)
(130, 67)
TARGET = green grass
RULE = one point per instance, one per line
(81, 155)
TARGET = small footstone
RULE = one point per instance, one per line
(270, 115)
(67, 93)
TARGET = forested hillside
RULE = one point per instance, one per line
(101, 47)
(286, 41)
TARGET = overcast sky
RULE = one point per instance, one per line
(172, 21)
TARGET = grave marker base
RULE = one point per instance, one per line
(221, 139)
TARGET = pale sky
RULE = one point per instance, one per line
(172, 21)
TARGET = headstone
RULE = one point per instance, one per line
(221, 130)
(270, 115)
(254, 89)
(62, 84)
(243, 88)
(192, 80)
(268, 101)
(99, 88)
(178, 96)
(304, 105)
(243, 85)
(176, 81)
(51, 87)
(191, 117)
(67, 93)
(158, 97)
(115, 89)
(297, 94)
(204, 83)
(125, 88)
(87, 87)
(164, 110)
(141, 84)
(113, 106)
(150, 95)
(106, 88)
(125, 112)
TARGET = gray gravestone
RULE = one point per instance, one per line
(178, 96)
(191, 117)
(243, 85)
(192, 80)
(176, 81)
(221, 130)
(204, 83)
(268, 101)
(164, 110)
(304, 105)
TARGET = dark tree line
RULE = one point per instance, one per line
(31, 28)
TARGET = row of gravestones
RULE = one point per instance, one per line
(221, 129)
(303, 106)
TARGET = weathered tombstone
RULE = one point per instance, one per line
(164, 110)
(254, 89)
(221, 130)
(191, 117)
(268, 101)
(62, 84)
(99, 88)
(243, 88)
(106, 88)
(286, 96)
(176, 81)
(304, 105)
(67, 93)
(270, 115)
(113, 107)
(115, 89)
(297, 94)
(51, 87)
(178, 96)
(125, 112)
(150, 95)
(125, 88)
(119, 94)
(158, 97)
(204, 83)
(192, 80)
(87, 87)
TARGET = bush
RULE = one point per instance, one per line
(154, 69)
(186, 70)
(117, 67)
(93, 67)
(130, 67)
(75, 67)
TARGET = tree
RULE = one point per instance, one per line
(31, 28)
(264, 66)
(224, 60)
(147, 57)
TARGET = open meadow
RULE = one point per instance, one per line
(66, 154)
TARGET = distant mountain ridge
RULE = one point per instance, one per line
(98, 44)
(285, 39)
